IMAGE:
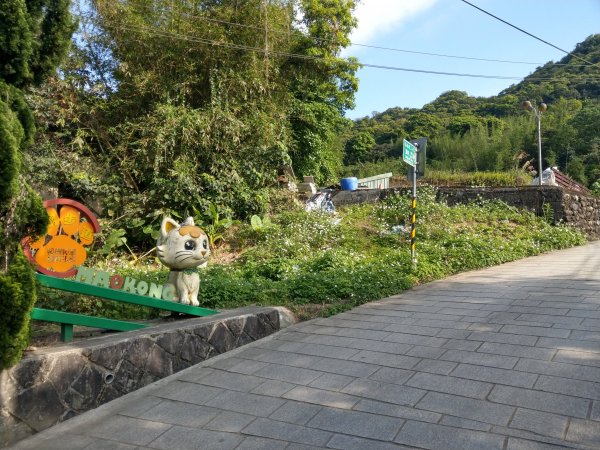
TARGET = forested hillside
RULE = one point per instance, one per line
(476, 133)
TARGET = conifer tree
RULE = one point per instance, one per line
(34, 36)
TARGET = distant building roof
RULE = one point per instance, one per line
(567, 182)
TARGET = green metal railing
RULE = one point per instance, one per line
(67, 320)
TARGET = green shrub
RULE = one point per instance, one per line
(17, 290)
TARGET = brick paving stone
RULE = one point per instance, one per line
(546, 318)
(296, 375)
(462, 344)
(229, 421)
(332, 381)
(503, 338)
(421, 351)
(356, 423)
(416, 340)
(523, 351)
(558, 369)
(127, 430)
(585, 314)
(435, 366)
(481, 359)
(454, 334)
(241, 402)
(413, 329)
(231, 380)
(495, 375)
(391, 393)
(570, 344)
(534, 331)
(385, 347)
(451, 385)
(540, 310)
(287, 432)
(256, 443)
(102, 444)
(404, 412)
(575, 357)
(459, 422)
(539, 422)
(576, 388)
(486, 327)
(537, 400)
(586, 335)
(295, 412)
(385, 359)
(439, 437)
(238, 365)
(467, 408)
(328, 351)
(391, 375)
(273, 388)
(321, 397)
(344, 442)
(585, 432)
(523, 444)
(189, 392)
(342, 367)
(363, 325)
(595, 414)
(180, 413)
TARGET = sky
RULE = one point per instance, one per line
(452, 27)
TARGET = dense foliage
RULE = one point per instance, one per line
(494, 134)
(34, 35)
(319, 264)
(169, 107)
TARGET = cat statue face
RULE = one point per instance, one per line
(182, 246)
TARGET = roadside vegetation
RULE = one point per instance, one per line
(318, 264)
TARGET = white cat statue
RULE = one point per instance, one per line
(183, 248)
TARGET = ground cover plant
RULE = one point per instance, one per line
(319, 264)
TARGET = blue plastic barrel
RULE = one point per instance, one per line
(349, 184)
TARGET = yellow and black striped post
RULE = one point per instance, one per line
(413, 231)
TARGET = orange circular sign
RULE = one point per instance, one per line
(71, 229)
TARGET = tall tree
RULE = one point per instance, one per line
(34, 36)
(322, 86)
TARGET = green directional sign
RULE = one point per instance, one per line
(409, 153)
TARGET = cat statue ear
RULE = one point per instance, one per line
(167, 226)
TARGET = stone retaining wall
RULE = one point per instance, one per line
(51, 385)
(580, 211)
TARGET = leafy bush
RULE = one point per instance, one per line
(17, 285)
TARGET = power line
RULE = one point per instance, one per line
(526, 32)
(356, 44)
(200, 40)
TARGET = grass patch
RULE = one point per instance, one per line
(319, 264)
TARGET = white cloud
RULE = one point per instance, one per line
(380, 16)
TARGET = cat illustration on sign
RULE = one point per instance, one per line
(183, 248)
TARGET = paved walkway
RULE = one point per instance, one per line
(507, 358)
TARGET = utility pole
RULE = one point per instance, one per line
(542, 107)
